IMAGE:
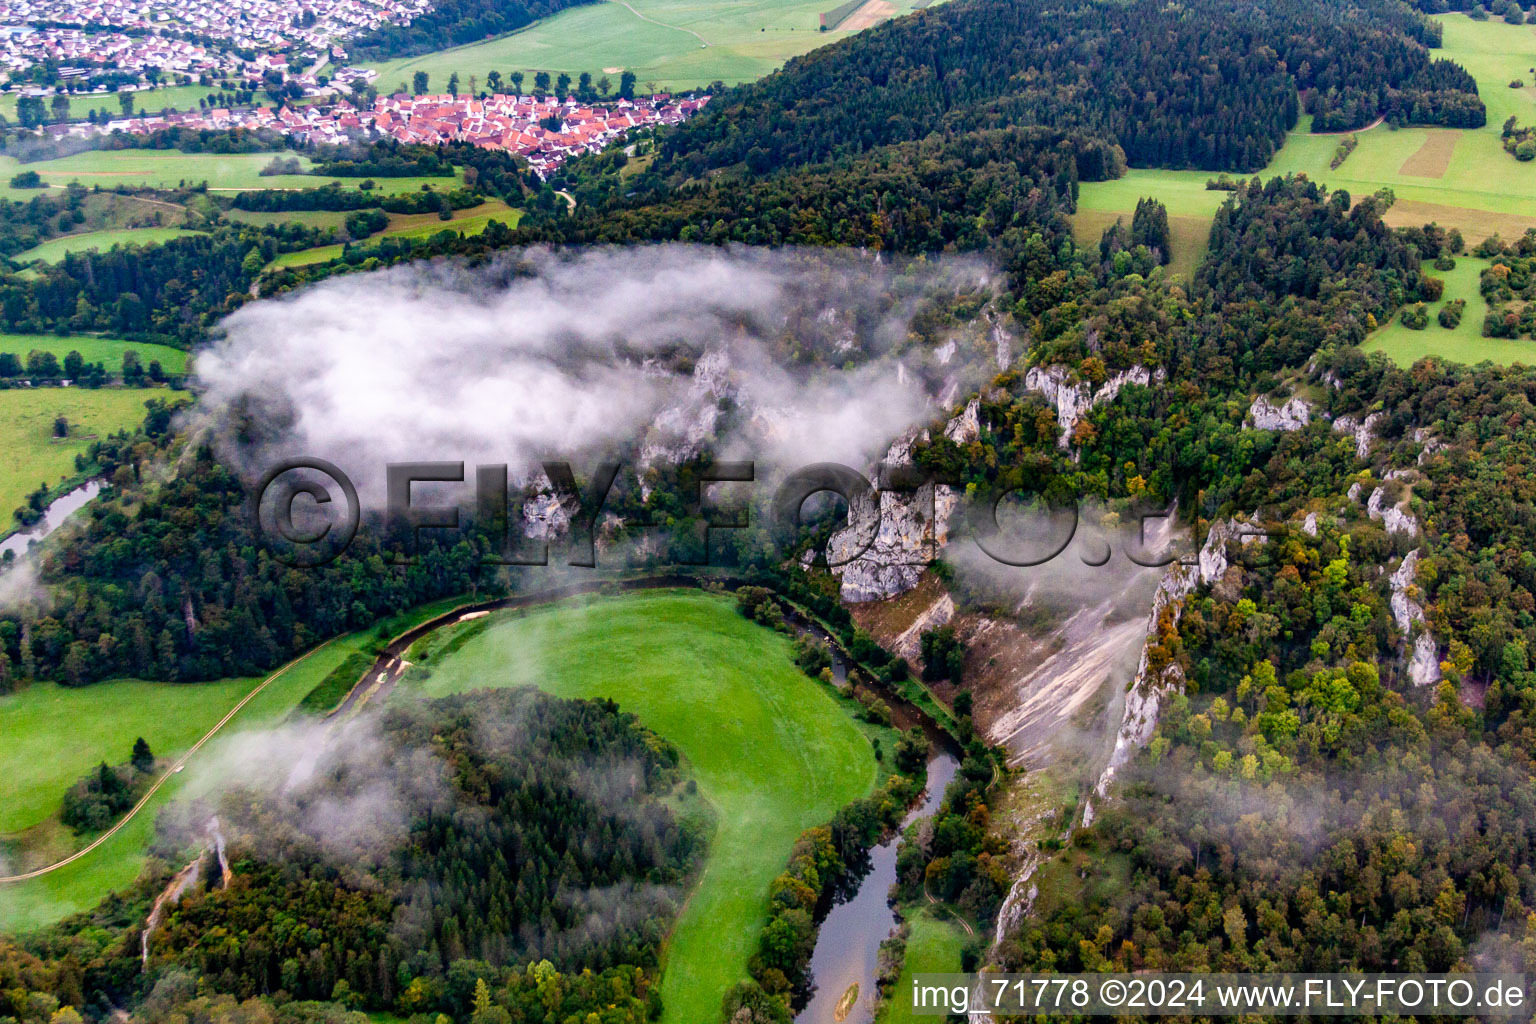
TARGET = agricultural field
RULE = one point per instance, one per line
(56, 249)
(173, 97)
(406, 225)
(95, 349)
(673, 44)
(771, 750)
(162, 168)
(31, 455)
(1456, 178)
(91, 723)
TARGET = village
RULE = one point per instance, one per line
(135, 35)
(545, 131)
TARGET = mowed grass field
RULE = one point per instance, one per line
(661, 41)
(1191, 207)
(173, 97)
(56, 249)
(772, 751)
(101, 721)
(1464, 343)
(31, 455)
(409, 225)
(161, 168)
(94, 349)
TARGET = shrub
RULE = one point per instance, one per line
(28, 179)
(1450, 313)
(1415, 317)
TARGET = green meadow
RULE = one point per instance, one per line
(933, 947)
(169, 168)
(1191, 206)
(771, 750)
(31, 455)
(1465, 342)
(56, 249)
(413, 226)
(675, 44)
(60, 733)
(95, 349)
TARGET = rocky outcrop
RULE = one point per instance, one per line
(1431, 444)
(1423, 654)
(1424, 664)
(1144, 698)
(1309, 524)
(1364, 431)
(1393, 517)
(1073, 401)
(910, 527)
(1265, 415)
(1405, 610)
(680, 431)
(966, 427)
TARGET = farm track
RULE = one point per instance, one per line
(653, 21)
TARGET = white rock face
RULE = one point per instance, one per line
(1265, 415)
(1431, 443)
(1424, 666)
(545, 518)
(966, 427)
(1354, 491)
(1391, 516)
(1364, 431)
(1309, 525)
(1424, 653)
(913, 525)
(1144, 699)
(1405, 610)
(1073, 401)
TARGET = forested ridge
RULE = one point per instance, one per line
(1209, 85)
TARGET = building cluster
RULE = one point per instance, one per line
(135, 35)
(545, 131)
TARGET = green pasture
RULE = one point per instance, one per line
(170, 168)
(1464, 343)
(94, 349)
(771, 750)
(661, 41)
(101, 718)
(56, 249)
(933, 947)
(31, 455)
(413, 226)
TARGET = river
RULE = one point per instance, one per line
(848, 945)
(62, 508)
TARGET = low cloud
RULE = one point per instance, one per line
(786, 356)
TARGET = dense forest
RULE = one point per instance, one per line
(1204, 85)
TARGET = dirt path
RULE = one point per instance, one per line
(1348, 131)
(653, 21)
(949, 910)
(162, 780)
